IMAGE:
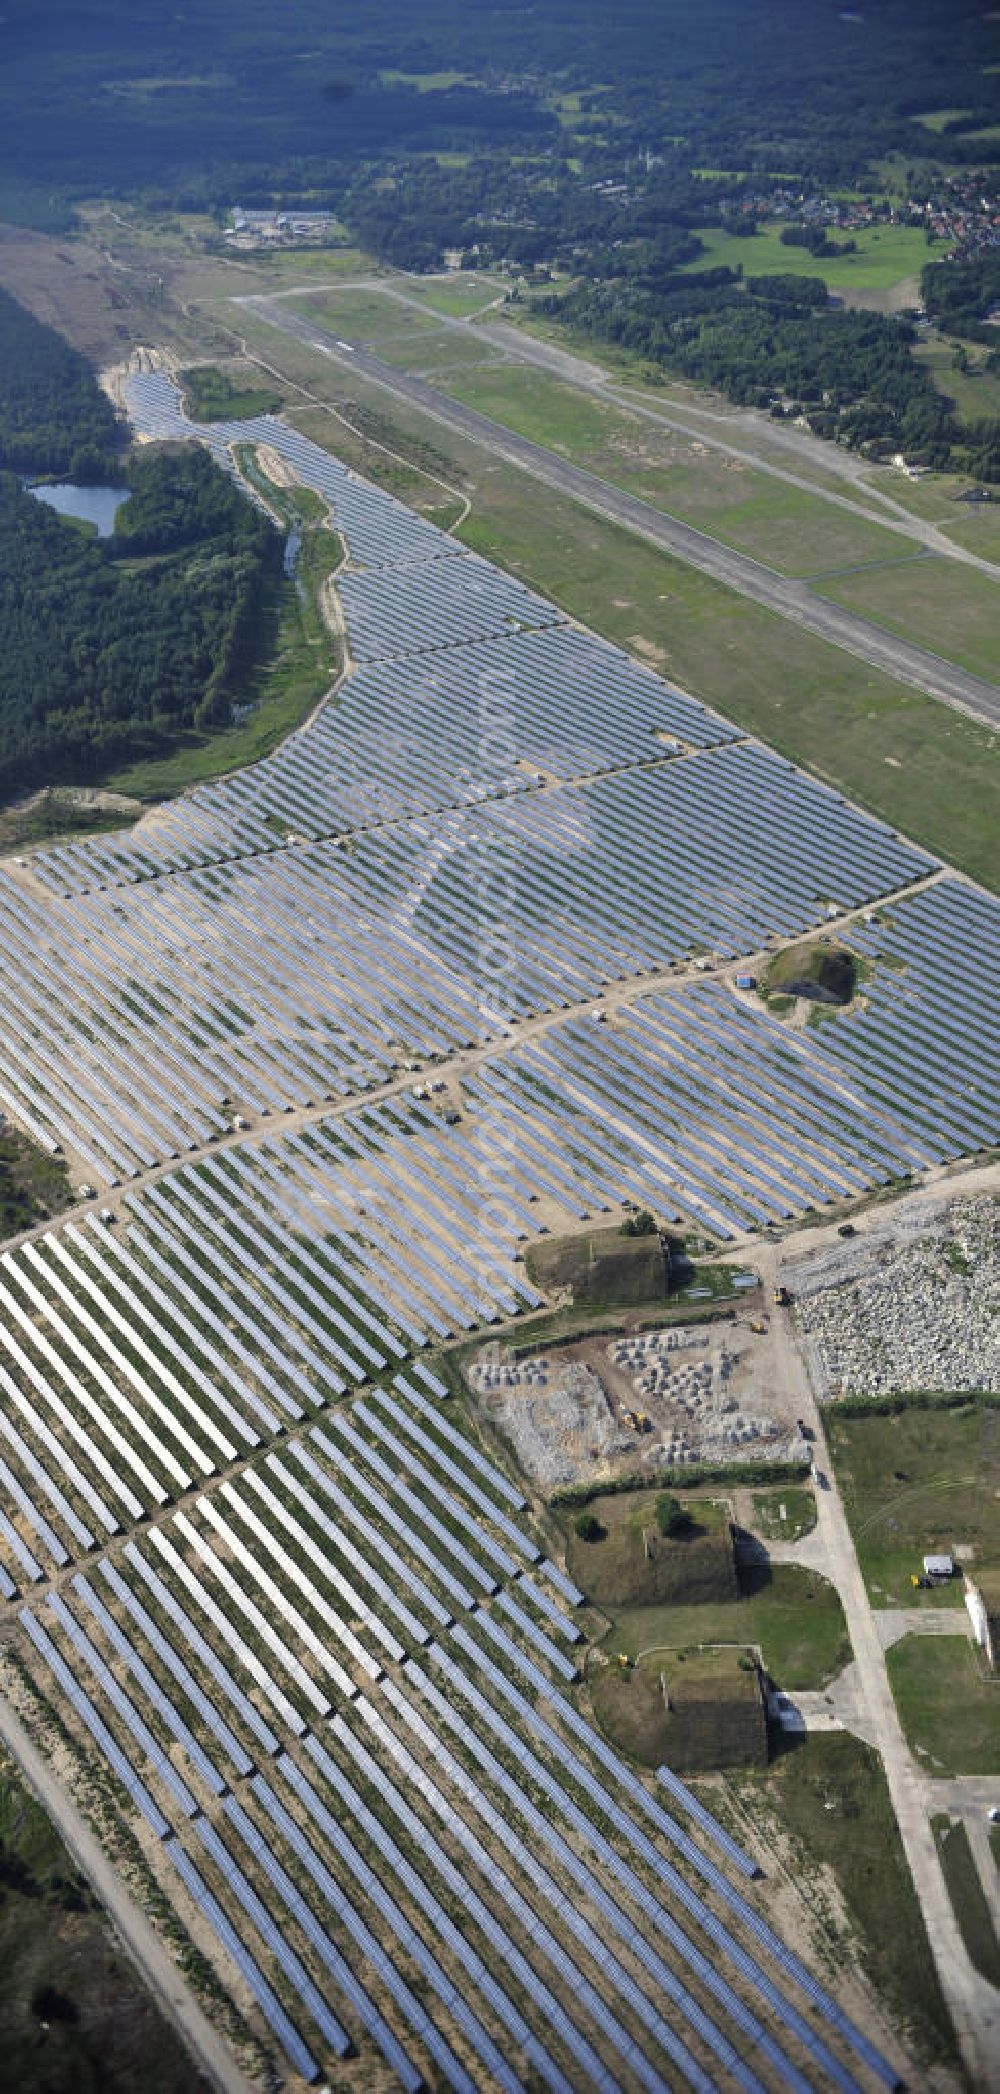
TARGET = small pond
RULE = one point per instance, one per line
(96, 505)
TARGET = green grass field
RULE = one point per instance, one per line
(916, 1484)
(976, 392)
(968, 1896)
(789, 529)
(457, 297)
(948, 1704)
(797, 1506)
(445, 356)
(634, 1565)
(952, 609)
(976, 526)
(366, 315)
(886, 255)
(793, 1616)
(712, 1717)
(829, 1797)
(326, 265)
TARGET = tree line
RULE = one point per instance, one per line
(776, 342)
(53, 417)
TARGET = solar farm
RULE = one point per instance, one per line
(328, 1042)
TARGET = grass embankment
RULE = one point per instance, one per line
(603, 1269)
(791, 1615)
(563, 1326)
(819, 970)
(60, 1965)
(634, 1565)
(303, 662)
(829, 1797)
(948, 1703)
(968, 1896)
(916, 1483)
(699, 1710)
(210, 395)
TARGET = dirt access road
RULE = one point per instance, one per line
(143, 1946)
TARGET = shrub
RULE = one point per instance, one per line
(588, 1527)
(641, 1224)
(671, 1516)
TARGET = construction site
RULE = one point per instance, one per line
(634, 1404)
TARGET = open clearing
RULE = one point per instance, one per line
(919, 1483)
(952, 608)
(886, 255)
(790, 1614)
(976, 392)
(828, 1799)
(949, 1705)
(458, 297)
(783, 1514)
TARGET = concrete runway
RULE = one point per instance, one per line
(796, 601)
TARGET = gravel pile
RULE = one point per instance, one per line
(918, 1308)
(554, 1413)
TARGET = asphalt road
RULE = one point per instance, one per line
(796, 601)
(974, 2005)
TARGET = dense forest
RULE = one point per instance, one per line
(112, 647)
(129, 96)
(532, 135)
(109, 656)
(961, 297)
(53, 418)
